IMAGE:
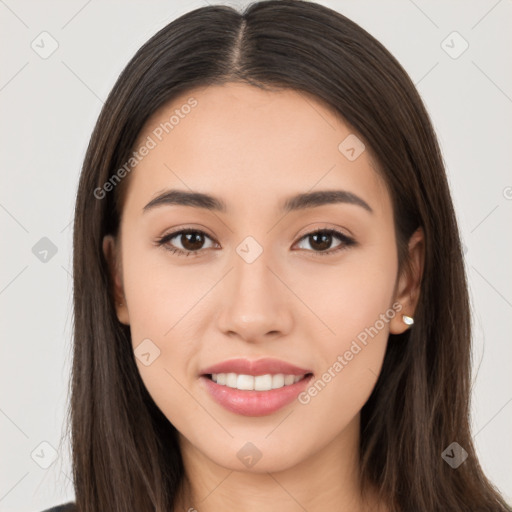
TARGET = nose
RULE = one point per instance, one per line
(255, 304)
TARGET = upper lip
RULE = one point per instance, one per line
(257, 367)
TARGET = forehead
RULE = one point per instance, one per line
(245, 144)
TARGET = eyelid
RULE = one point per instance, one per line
(308, 230)
(187, 227)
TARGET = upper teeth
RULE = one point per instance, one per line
(258, 383)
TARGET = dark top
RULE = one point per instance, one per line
(66, 507)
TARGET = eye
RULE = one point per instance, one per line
(191, 241)
(323, 238)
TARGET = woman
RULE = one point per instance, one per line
(271, 309)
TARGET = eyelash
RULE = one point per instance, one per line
(346, 241)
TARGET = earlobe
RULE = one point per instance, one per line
(409, 285)
(112, 257)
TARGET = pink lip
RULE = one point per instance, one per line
(254, 403)
(258, 367)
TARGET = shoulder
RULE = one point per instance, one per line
(67, 507)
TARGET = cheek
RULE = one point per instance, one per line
(162, 295)
(350, 296)
(354, 301)
(163, 303)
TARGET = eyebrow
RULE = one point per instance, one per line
(297, 202)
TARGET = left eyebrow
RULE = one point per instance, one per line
(297, 202)
(323, 197)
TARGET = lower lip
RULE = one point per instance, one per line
(254, 403)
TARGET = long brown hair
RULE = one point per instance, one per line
(124, 450)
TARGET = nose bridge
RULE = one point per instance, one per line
(255, 302)
(254, 284)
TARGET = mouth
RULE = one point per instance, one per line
(265, 382)
(254, 395)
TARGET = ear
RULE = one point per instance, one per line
(112, 253)
(408, 288)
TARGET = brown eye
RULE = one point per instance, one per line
(321, 241)
(191, 242)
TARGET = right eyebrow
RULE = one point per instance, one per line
(185, 198)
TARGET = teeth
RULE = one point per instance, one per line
(258, 383)
(289, 379)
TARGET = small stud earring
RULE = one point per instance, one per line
(409, 320)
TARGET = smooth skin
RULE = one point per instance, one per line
(253, 149)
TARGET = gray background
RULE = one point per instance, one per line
(48, 109)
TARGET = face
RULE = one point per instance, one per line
(314, 285)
